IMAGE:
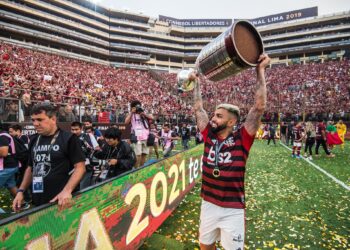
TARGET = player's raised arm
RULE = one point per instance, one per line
(201, 115)
(252, 122)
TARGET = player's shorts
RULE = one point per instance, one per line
(224, 224)
(141, 148)
(297, 144)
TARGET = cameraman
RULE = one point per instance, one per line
(88, 149)
(139, 129)
(118, 154)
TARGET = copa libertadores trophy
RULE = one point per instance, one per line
(233, 51)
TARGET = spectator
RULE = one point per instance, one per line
(185, 136)
(321, 139)
(96, 132)
(283, 132)
(310, 139)
(87, 115)
(88, 149)
(155, 147)
(341, 129)
(56, 163)
(104, 116)
(8, 163)
(199, 137)
(70, 117)
(15, 130)
(290, 137)
(12, 112)
(272, 134)
(27, 103)
(62, 115)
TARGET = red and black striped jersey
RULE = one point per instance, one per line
(298, 133)
(319, 129)
(226, 190)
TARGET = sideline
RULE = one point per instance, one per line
(321, 170)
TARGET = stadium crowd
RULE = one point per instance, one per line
(318, 89)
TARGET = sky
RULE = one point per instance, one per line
(231, 9)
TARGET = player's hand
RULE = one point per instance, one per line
(263, 61)
(193, 76)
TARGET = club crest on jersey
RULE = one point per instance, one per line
(229, 142)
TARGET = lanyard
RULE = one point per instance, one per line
(53, 140)
(216, 170)
(110, 153)
(217, 151)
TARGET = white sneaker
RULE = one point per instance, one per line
(310, 158)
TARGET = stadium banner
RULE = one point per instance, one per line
(196, 22)
(285, 16)
(117, 214)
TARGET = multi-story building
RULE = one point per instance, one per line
(81, 29)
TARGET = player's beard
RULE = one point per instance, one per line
(218, 128)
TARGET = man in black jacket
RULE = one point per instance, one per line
(118, 154)
(87, 148)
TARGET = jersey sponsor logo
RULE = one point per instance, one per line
(224, 157)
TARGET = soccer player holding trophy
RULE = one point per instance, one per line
(226, 152)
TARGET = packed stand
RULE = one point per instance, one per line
(321, 90)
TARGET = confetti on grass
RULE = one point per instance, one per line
(290, 205)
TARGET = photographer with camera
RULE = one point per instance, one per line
(140, 131)
(118, 156)
(88, 149)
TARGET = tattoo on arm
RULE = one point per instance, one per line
(201, 115)
(253, 118)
